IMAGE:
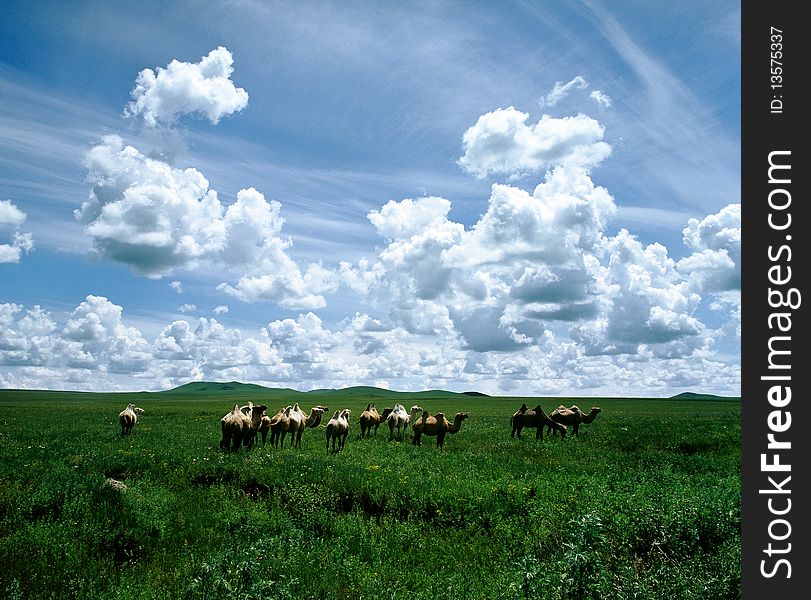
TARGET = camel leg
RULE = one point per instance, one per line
(539, 433)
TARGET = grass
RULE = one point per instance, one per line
(644, 503)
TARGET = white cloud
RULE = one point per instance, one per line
(501, 143)
(96, 336)
(279, 280)
(647, 305)
(157, 219)
(147, 214)
(184, 308)
(404, 219)
(601, 98)
(10, 214)
(561, 90)
(177, 286)
(21, 242)
(715, 264)
(220, 310)
(205, 88)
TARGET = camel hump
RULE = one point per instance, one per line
(439, 416)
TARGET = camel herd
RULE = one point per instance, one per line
(558, 421)
(242, 426)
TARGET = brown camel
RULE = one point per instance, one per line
(275, 425)
(573, 416)
(437, 426)
(295, 423)
(536, 418)
(255, 413)
(235, 428)
(127, 418)
(338, 429)
(369, 418)
(314, 418)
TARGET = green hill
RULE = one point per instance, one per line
(231, 387)
(695, 396)
(359, 391)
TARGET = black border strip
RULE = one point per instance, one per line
(773, 119)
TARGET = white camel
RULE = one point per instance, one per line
(399, 419)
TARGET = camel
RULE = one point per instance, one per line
(127, 418)
(295, 423)
(338, 429)
(399, 419)
(235, 427)
(369, 418)
(536, 418)
(437, 426)
(255, 413)
(573, 416)
(275, 425)
(314, 418)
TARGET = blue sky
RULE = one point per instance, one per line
(525, 198)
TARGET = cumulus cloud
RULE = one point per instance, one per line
(560, 90)
(501, 143)
(601, 98)
(715, 264)
(177, 286)
(184, 308)
(648, 305)
(94, 349)
(10, 214)
(220, 310)
(21, 242)
(147, 214)
(157, 218)
(203, 88)
(95, 334)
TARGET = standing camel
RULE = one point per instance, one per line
(127, 419)
(573, 416)
(369, 418)
(399, 419)
(536, 418)
(295, 424)
(437, 426)
(338, 430)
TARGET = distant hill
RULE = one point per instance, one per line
(695, 396)
(365, 391)
(202, 387)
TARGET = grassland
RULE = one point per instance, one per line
(644, 503)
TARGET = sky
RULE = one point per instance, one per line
(516, 198)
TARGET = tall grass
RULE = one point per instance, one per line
(644, 503)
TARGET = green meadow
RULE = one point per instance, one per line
(643, 503)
